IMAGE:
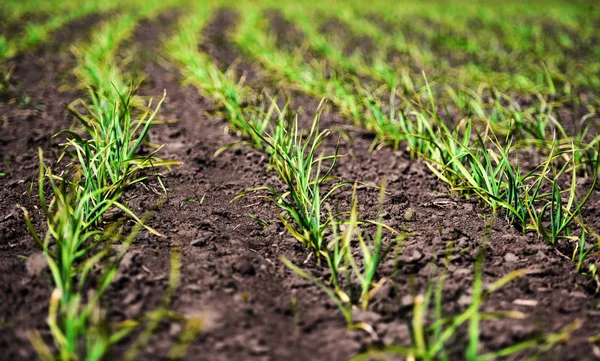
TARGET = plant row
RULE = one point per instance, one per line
(349, 247)
(476, 156)
(81, 246)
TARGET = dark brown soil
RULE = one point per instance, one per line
(231, 273)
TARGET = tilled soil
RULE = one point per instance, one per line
(231, 273)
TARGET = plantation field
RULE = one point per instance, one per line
(261, 180)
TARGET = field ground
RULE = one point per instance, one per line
(521, 78)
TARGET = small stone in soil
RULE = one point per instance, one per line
(35, 264)
(511, 258)
(409, 215)
(258, 349)
(528, 303)
(407, 300)
(175, 329)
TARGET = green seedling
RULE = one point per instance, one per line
(257, 123)
(561, 215)
(342, 302)
(258, 220)
(340, 257)
(294, 158)
(346, 240)
(78, 255)
(107, 156)
(582, 251)
(74, 321)
(294, 307)
(194, 199)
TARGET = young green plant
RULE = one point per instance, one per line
(108, 160)
(349, 272)
(295, 160)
